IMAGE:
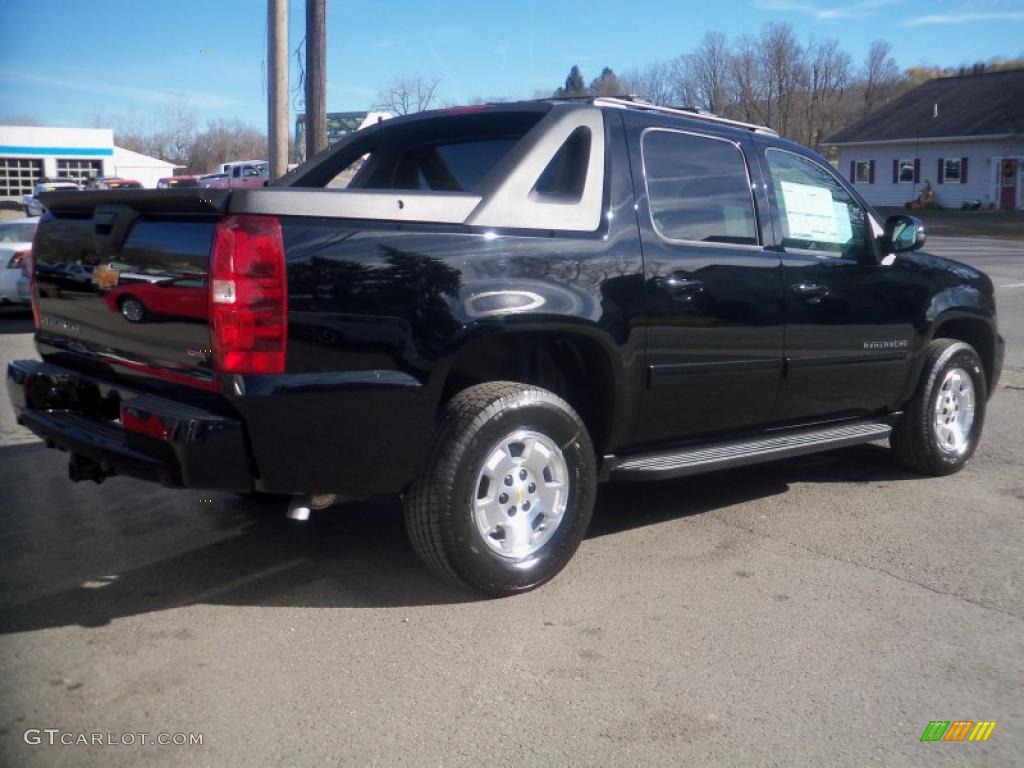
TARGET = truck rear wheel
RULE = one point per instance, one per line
(508, 491)
(941, 425)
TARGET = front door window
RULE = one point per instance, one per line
(817, 214)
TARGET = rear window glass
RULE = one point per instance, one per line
(440, 153)
(459, 167)
(452, 167)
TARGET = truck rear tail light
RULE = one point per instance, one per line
(17, 259)
(248, 296)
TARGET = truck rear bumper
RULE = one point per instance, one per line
(113, 430)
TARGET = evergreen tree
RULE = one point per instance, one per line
(574, 84)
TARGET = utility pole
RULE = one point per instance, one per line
(277, 86)
(316, 76)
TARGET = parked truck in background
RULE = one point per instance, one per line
(246, 174)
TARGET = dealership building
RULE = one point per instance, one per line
(30, 153)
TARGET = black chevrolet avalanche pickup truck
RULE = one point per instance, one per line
(489, 310)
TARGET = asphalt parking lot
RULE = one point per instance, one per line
(814, 612)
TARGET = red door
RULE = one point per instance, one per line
(1008, 185)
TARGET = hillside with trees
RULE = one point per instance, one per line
(806, 90)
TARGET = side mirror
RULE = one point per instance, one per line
(904, 233)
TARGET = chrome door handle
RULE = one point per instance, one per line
(813, 292)
(679, 286)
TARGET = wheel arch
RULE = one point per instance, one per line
(576, 363)
(972, 329)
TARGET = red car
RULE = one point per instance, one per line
(114, 182)
(184, 297)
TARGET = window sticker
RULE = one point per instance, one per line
(811, 213)
(841, 211)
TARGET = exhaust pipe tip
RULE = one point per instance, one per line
(301, 506)
(298, 509)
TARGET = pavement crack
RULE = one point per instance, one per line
(867, 566)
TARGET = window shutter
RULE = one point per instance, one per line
(871, 172)
(963, 170)
(853, 171)
(942, 170)
(917, 170)
(895, 171)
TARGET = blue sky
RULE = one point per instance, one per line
(83, 62)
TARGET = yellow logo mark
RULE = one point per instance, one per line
(982, 730)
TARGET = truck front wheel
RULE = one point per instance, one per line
(508, 491)
(941, 424)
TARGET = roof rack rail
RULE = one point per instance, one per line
(623, 102)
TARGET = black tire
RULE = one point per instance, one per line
(439, 514)
(131, 301)
(915, 439)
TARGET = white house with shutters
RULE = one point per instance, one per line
(962, 136)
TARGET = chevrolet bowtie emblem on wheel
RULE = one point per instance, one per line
(105, 277)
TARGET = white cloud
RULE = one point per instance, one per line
(847, 11)
(197, 99)
(962, 18)
(388, 41)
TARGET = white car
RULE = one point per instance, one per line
(15, 247)
(31, 202)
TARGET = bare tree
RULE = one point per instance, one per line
(708, 70)
(684, 90)
(880, 75)
(746, 76)
(178, 132)
(225, 140)
(785, 72)
(655, 82)
(407, 95)
(829, 76)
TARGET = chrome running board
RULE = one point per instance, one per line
(737, 453)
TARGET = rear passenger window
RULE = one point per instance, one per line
(698, 188)
(817, 213)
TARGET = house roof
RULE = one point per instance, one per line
(989, 104)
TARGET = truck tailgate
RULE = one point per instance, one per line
(122, 276)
